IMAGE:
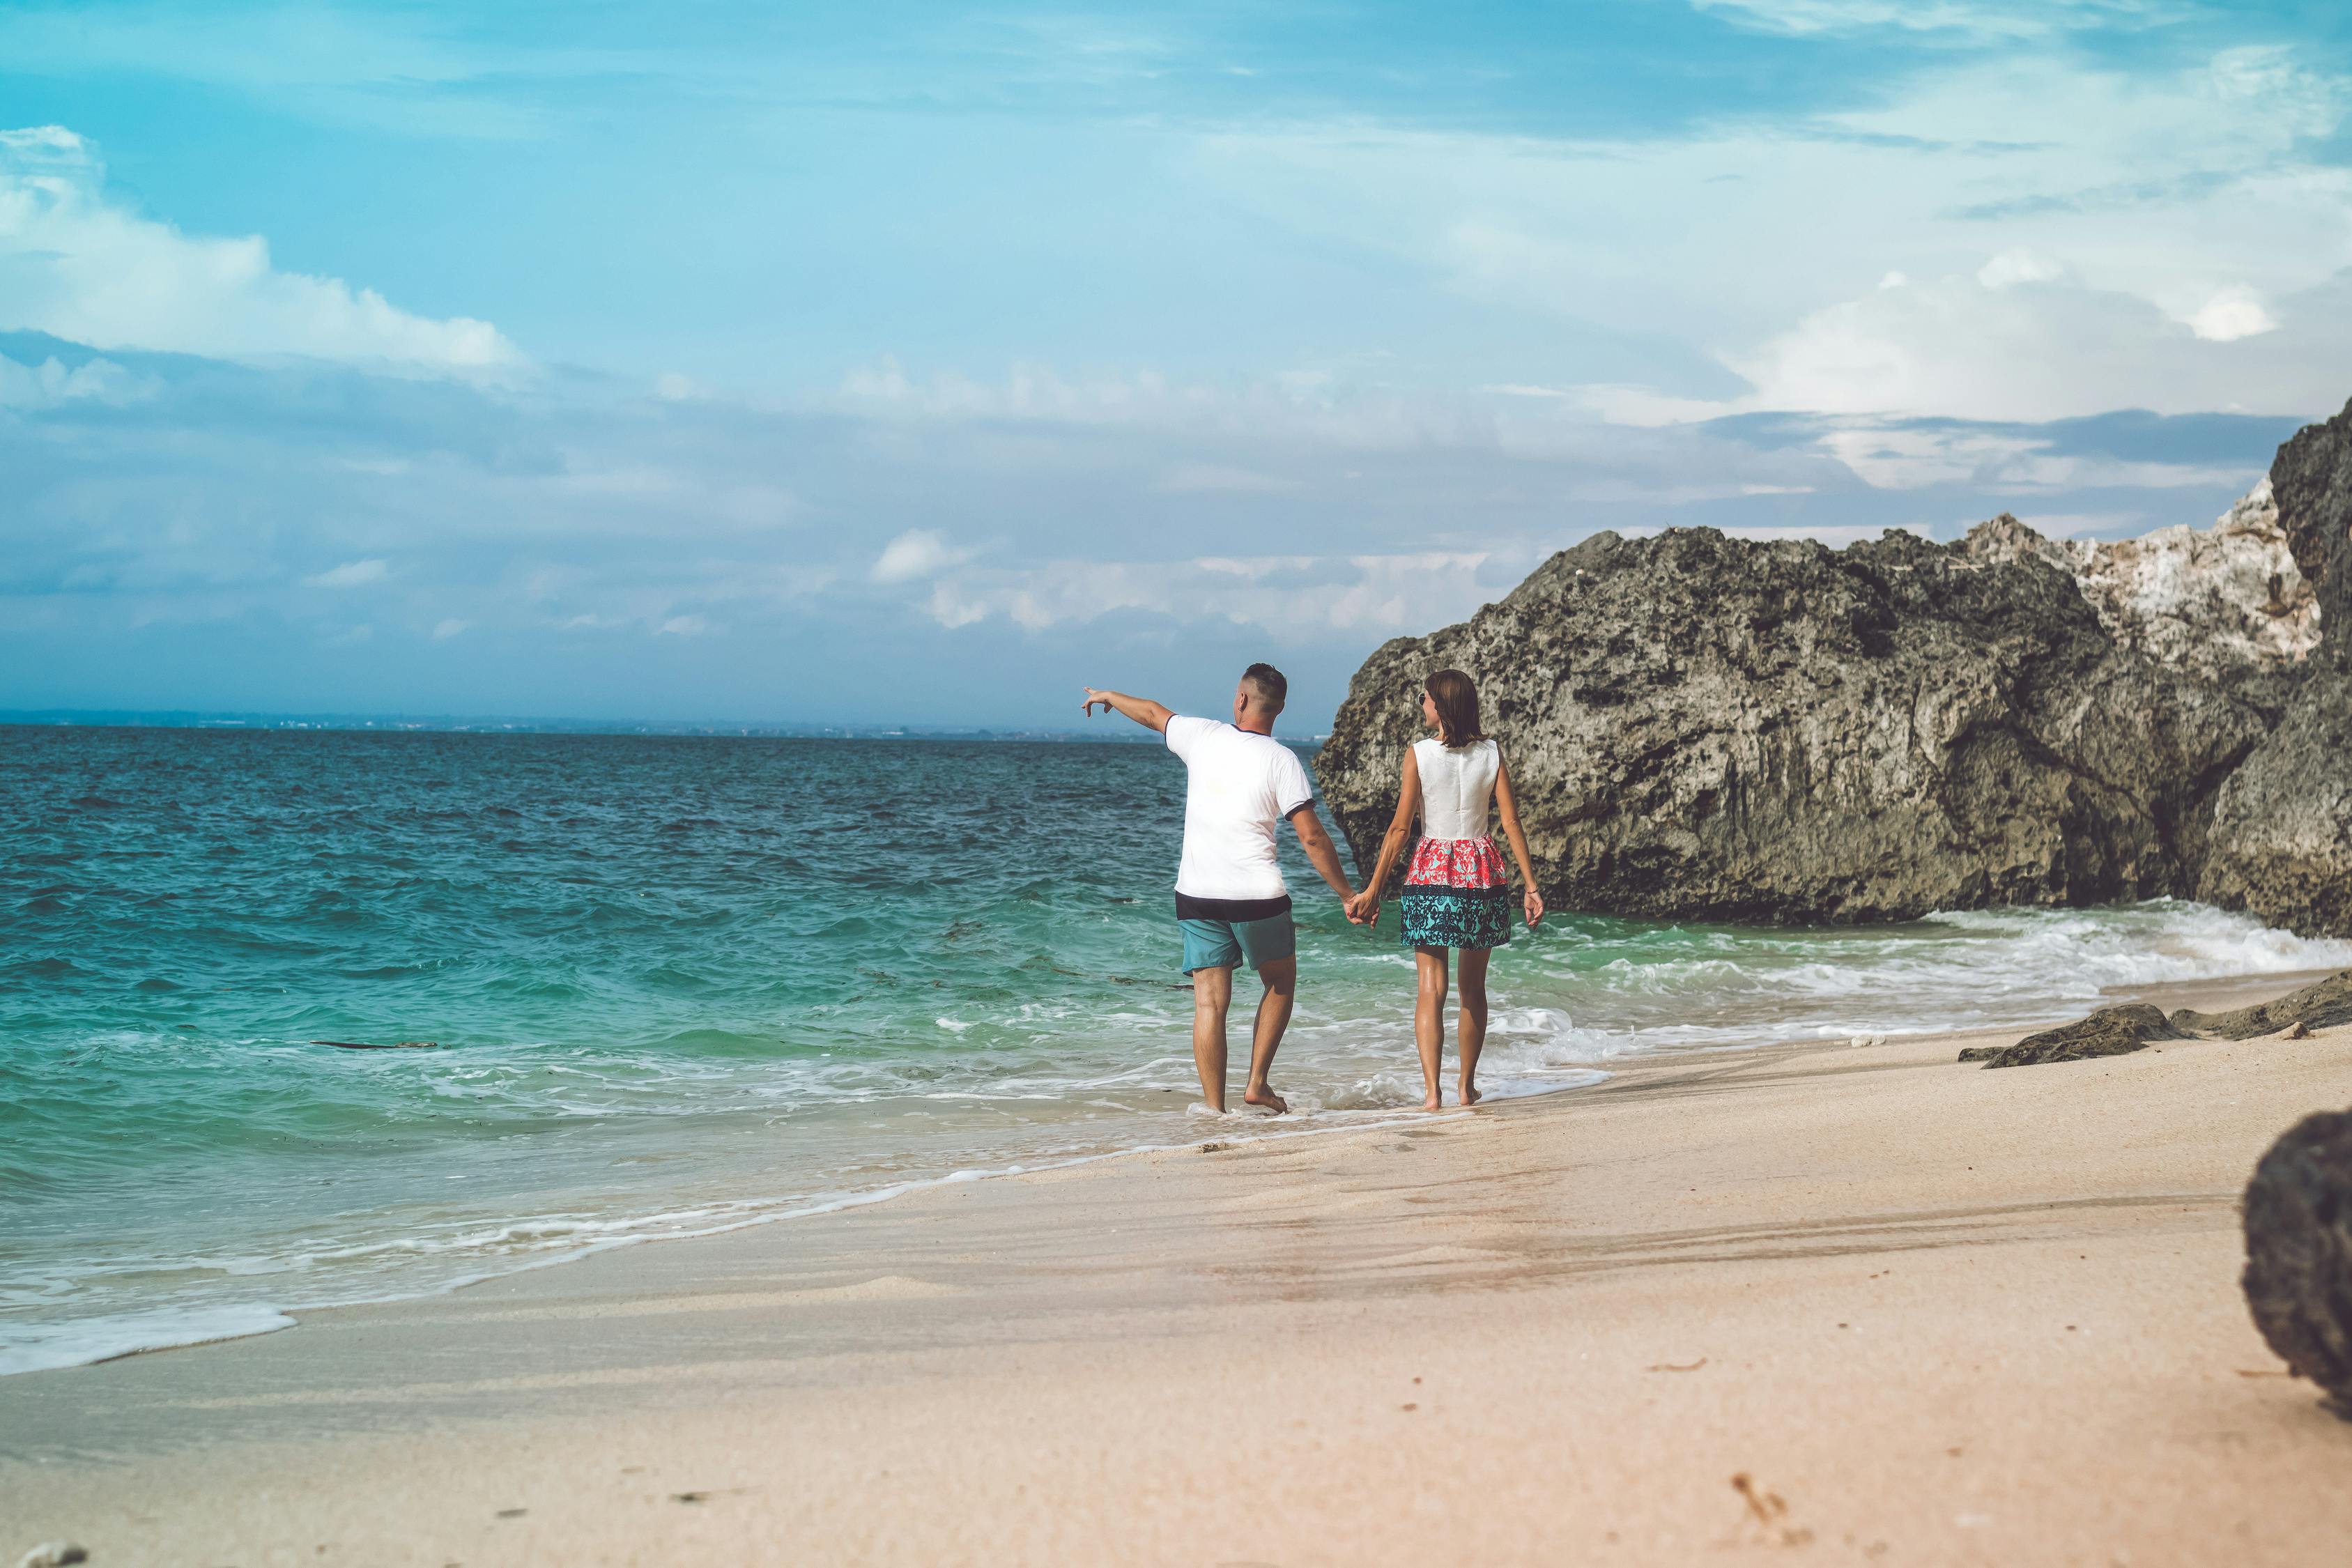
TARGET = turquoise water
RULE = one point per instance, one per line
(678, 984)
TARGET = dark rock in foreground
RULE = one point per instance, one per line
(2298, 1278)
(2316, 1006)
(2109, 1032)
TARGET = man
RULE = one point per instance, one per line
(1231, 900)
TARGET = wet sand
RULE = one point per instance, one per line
(1934, 1314)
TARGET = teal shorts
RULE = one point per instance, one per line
(1226, 944)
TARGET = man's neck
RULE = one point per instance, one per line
(1256, 727)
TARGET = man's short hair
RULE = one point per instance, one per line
(1272, 689)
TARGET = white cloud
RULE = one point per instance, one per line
(1296, 598)
(1902, 459)
(2006, 270)
(1954, 346)
(683, 627)
(78, 265)
(1989, 203)
(350, 574)
(1642, 406)
(917, 553)
(2231, 314)
(50, 384)
(444, 631)
(2034, 19)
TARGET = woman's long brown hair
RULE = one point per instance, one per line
(1457, 696)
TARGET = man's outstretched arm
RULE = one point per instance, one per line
(1320, 851)
(1142, 709)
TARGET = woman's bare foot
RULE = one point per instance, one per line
(1470, 1096)
(1434, 1101)
(1263, 1094)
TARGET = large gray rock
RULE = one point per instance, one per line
(2281, 825)
(1707, 728)
(1702, 727)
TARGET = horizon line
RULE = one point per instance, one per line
(255, 720)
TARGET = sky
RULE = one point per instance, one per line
(920, 364)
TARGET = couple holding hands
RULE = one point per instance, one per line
(1235, 909)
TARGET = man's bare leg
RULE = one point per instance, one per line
(1281, 981)
(1470, 1032)
(1428, 1020)
(1213, 993)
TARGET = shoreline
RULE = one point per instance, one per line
(1823, 1267)
(293, 1315)
(172, 1324)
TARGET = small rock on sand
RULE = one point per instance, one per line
(53, 1554)
(2109, 1032)
(2315, 1007)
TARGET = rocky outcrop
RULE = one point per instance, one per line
(2298, 1278)
(2109, 1032)
(1701, 726)
(1707, 728)
(2315, 1007)
(2281, 827)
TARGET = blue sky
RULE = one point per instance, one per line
(919, 363)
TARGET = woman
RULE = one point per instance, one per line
(1455, 896)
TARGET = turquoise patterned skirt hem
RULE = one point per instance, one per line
(1457, 916)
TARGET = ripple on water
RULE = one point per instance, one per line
(680, 984)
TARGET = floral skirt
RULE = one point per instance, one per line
(1456, 895)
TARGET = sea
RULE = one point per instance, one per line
(674, 985)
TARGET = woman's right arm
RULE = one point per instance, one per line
(1366, 905)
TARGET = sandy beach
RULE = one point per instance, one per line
(1934, 1314)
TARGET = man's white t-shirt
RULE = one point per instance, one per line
(1241, 785)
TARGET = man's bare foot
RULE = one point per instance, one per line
(1471, 1096)
(1263, 1094)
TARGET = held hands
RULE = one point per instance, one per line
(1534, 905)
(1364, 909)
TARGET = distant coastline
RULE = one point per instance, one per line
(177, 719)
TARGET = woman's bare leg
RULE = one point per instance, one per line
(1429, 1019)
(1471, 1031)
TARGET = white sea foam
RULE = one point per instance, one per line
(1028, 1084)
(32, 1347)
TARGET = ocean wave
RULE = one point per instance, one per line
(677, 987)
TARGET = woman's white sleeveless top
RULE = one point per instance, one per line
(1457, 786)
